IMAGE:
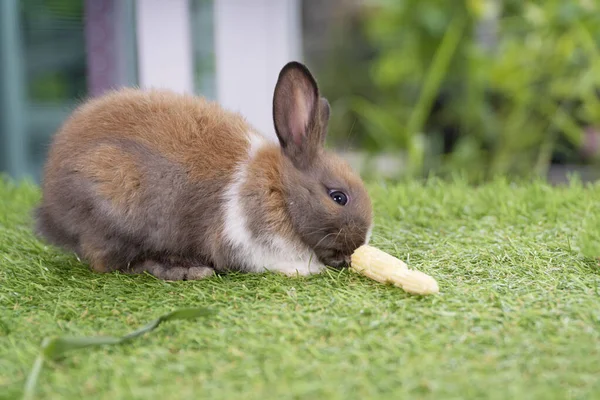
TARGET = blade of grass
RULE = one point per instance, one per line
(53, 348)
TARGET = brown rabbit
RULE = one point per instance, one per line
(177, 186)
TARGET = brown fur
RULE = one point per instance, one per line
(119, 181)
(135, 181)
(266, 206)
(191, 131)
(125, 163)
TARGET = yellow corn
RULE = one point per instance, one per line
(382, 267)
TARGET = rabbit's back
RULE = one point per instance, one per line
(190, 131)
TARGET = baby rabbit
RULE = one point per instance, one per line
(176, 186)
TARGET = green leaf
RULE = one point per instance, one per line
(53, 348)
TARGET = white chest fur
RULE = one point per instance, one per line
(276, 253)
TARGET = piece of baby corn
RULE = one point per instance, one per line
(382, 267)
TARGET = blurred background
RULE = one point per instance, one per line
(417, 87)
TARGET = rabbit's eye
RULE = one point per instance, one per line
(339, 197)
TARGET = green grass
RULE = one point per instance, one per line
(518, 314)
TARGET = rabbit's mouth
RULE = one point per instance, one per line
(340, 263)
(334, 257)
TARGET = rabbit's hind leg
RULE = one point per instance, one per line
(172, 269)
(112, 253)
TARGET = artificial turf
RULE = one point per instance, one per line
(518, 315)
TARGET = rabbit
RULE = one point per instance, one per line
(174, 185)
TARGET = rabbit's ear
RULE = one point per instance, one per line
(299, 114)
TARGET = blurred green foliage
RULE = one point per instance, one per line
(55, 28)
(486, 87)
